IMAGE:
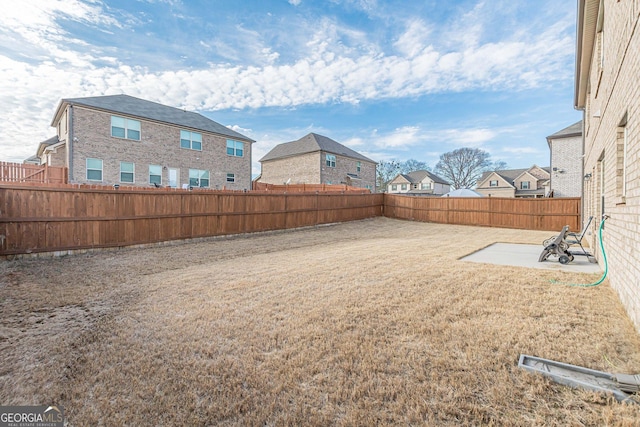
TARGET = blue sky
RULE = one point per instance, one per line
(390, 79)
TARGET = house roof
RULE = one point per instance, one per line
(44, 144)
(463, 192)
(510, 175)
(311, 143)
(570, 131)
(588, 13)
(136, 107)
(418, 176)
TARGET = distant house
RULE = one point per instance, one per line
(520, 183)
(418, 183)
(119, 139)
(316, 159)
(566, 172)
(607, 91)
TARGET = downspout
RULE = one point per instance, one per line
(70, 144)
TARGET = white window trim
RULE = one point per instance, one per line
(190, 147)
(133, 173)
(235, 148)
(126, 128)
(101, 170)
(159, 183)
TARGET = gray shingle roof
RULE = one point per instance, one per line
(311, 143)
(510, 174)
(136, 107)
(573, 130)
(417, 176)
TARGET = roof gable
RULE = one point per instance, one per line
(140, 108)
(310, 143)
(401, 179)
(570, 131)
(494, 176)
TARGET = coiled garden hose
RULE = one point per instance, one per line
(604, 258)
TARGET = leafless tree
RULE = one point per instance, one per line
(464, 166)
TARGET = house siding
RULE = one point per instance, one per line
(497, 192)
(566, 159)
(159, 145)
(614, 93)
(300, 169)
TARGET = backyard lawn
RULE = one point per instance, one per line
(362, 323)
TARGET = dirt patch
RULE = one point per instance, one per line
(370, 322)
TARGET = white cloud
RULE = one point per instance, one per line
(341, 65)
(295, 2)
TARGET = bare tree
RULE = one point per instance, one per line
(385, 172)
(464, 166)
(413, 165)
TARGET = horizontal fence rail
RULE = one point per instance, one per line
(56, 219)
(294, 188)
(528, 214)
(28, 173)
(59, 218)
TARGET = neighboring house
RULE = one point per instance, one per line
(565, 147)
(607, 90)
(418, 183)
(520, 183)
(316, 159)
(119, 139)
(48, 154)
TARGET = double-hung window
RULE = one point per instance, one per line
(524, 185)
(125, 128)
(330, 160)
(94, 169)
(426, 186)
(403, 187)
(235, 148)
(127, 171)
(155, 174)
(358, 166)
(231, 177)
(191, 140)
(198, 178)
(493, 183)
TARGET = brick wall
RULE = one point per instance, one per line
(566, 157)
(311, 168)
(159, 145)
(345, 165)
(614, 94)
(301, 169)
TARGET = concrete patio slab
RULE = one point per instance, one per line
(520, 255)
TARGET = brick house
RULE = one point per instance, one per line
(418, 183)
(608, 93)
(520, 183)
(316, 159)
(119, 139)
(565, 147)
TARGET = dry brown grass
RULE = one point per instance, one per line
(370, 322)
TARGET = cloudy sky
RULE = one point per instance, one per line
(392, 79)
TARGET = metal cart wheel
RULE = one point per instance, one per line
(564, 259)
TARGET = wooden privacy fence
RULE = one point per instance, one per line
(529, 214)
(60, 219)
(27, 173)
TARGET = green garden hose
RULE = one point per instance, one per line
(604, 257)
